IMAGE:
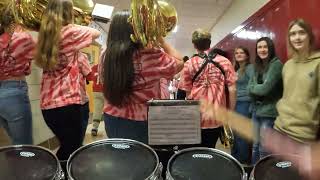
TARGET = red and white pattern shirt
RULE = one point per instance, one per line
(61, 86)
(150, 66)
(209, 84)
(85, 70)
(95, 78)
(16, 53)
(164, 88)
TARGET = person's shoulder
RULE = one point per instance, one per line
(276, 62)
(222, 60)
(250, 67)
(150, 51)
(22, 35)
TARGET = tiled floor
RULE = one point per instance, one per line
(101, 134)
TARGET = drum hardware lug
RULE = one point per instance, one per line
(157, 175)
(60, 176)
(245, 176)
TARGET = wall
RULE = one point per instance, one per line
(272, 21)
(238, 12)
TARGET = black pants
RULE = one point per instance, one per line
(209, 137)
(85, 118)
(181, 94)
(66, 123)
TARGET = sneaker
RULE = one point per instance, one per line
(94, 132)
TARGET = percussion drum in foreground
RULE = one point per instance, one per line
(114, 159)
(26, 162)
(273, 167)
(204, 164)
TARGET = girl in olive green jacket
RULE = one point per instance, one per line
(299, 108)
(265, 88)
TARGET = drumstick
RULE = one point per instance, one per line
(242, 125)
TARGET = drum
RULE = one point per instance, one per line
(26, 162)
(273, 167)
(204, 164)
(114, 159)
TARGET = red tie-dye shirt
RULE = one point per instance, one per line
(150, 66)
(16, 53)
(209, 84)
(61, 86)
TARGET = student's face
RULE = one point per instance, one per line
(299, 38)
(240, 55)
(262, 50)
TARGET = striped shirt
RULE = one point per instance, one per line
(164, 89)
(85, 70)
(16, 53)
(95, 78)
(209, 84)
(61, 86)
(150, 66)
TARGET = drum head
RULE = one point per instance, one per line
(27, 163)
(113, 160)
(275, 168)
(204, 164)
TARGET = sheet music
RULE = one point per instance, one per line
(174, 125)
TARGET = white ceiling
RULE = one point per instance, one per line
(192, 14)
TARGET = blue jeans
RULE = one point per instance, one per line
(15, 111)
(117, 127)
(258, 151)
(241, 148)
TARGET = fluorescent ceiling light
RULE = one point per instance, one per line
(175, 29)
(102, 12)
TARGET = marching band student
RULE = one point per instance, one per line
(98, 98)
(265, 89)
(85, 71)
(216, 83)
(131, 77)
(59, 42)
(16, 52)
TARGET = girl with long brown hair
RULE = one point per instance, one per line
(245, 70)
(265, 88)
(59, 43)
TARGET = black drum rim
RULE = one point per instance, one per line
(56, 175)
(110, 140)
(252, 175)
(203, 148)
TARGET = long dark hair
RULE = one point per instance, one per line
(261, 65)
(237, 65)
(118, 69)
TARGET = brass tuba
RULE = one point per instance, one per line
(29, 12)
(151, 19)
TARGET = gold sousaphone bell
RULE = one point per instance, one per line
(151, 19)
(29, 12)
